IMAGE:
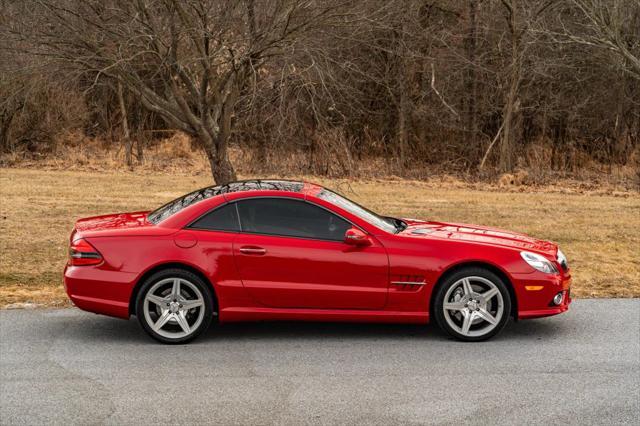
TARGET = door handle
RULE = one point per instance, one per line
(253, 250)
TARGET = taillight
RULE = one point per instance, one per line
(81, 253)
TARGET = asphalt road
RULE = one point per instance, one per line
(66, 366)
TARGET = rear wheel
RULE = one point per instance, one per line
(174, 306)
(473, 304)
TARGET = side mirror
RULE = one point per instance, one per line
(355, 237)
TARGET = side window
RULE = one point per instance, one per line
(292, 218)
(223, 218)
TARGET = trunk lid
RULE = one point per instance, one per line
(112, 222)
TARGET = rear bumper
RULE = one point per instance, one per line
(98, 290)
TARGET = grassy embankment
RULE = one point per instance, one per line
(600, 233)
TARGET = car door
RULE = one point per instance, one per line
(291, 254)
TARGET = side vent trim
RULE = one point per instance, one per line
(408, 283)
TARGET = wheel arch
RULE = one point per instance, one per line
(452, 269)
(171, 265)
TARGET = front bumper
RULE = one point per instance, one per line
(535, 293)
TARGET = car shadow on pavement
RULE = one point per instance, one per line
(514, 330)
(314, 330)
(100, 328)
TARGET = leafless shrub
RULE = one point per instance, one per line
(28, 122)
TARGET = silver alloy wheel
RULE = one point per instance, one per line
(473, 306)
(174, 308)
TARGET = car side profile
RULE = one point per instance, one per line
(285, 250)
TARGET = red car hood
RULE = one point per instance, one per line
(479, 234)
(112, 221)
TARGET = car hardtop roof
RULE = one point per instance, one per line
(287, 186)
(264, 185)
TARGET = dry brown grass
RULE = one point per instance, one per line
(599, 229)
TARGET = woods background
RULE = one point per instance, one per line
(475, 88)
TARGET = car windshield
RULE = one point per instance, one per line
(385, 223)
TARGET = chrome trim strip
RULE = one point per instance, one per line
(408, 283)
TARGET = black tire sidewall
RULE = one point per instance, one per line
(175, 273)
(451, 280)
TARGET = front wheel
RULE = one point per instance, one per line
(472, 305)
(174, 306)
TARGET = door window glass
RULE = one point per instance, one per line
(293, 218)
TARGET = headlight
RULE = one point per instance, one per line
(562, 259)
(539, 262)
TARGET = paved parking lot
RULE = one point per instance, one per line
(67, 366)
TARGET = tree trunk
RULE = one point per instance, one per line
(507, 144)
(403, 132)
(403, 101)
(126, 134)
(221, 168)
(5, 124)
(262, 153)
(471, 83)
(6, 118)
(217, 152)
(140, 150)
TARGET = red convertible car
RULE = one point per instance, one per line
(283, 250)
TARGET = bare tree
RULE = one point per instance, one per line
(603, 24)
(520, 16)
(471, 74)
(188, 61)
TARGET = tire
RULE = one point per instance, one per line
(171, 317)
(478, 305)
